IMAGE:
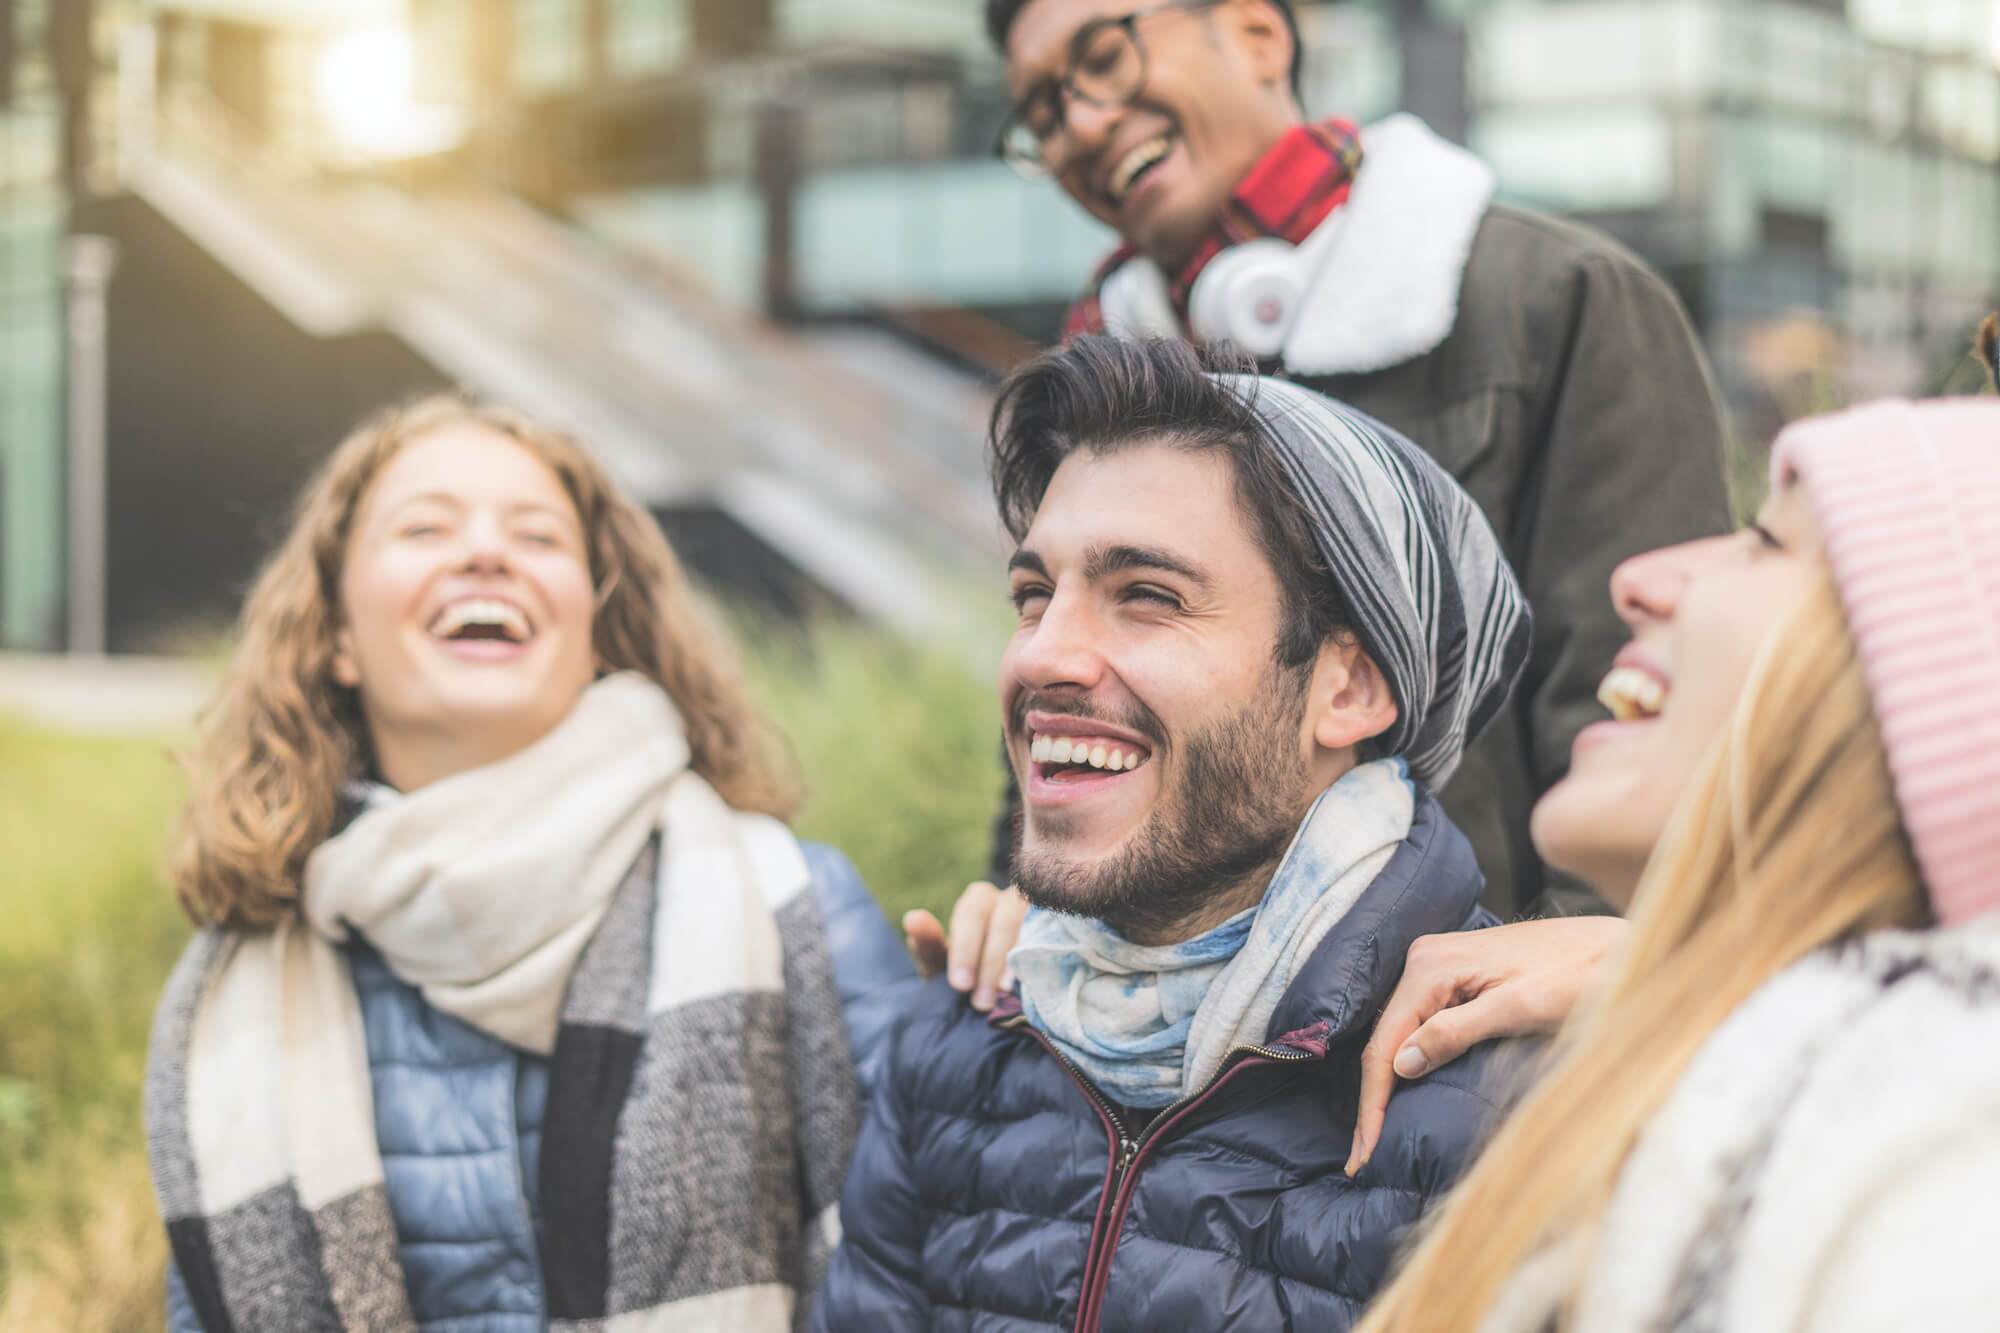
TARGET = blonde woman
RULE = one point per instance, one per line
(1782, 1109)
(516, 1005)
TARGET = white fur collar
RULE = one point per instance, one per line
(1386, 278)
(1837, 1060)
(1385, 269)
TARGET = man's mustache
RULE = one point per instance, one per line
(1141, 720)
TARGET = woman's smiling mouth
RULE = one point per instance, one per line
(482, 628)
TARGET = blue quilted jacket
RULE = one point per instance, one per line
(995, 1190)
(458, 1116)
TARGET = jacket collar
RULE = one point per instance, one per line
(1387, 268)
(1430, 886)
(1383, 271)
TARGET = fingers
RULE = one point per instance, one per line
(969, 921)
(1003, 927)
(1434, 978)
(924, 938)
(1399, 1020)
(1452, 1032)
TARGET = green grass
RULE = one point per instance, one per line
(901, 753)
(89, 936)
(902, 769)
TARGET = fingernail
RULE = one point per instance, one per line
(961, 978)
(1411, 1062)
(1006, 981)
(982, 1000)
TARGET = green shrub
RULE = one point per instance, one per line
(901, 751)
(90, 936)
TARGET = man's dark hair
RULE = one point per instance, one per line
(1000, 16)
(1103, 393)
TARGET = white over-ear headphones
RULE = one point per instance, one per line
(1249, 295)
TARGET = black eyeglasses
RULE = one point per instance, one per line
(1107, 67)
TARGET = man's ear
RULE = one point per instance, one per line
(1351, 698)
(346, 670)
(1260, 29)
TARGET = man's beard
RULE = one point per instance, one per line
(1234, 808)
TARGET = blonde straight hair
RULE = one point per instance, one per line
(1789, 839)
(282, 737)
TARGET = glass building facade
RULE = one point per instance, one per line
(1777, 159)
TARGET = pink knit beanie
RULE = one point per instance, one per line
(1908, 499)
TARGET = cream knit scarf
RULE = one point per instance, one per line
(700, 1074)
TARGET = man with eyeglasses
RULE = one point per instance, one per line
(1547, 369)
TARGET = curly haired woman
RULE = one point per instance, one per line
(516, 1004)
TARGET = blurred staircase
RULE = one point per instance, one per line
(848, 454)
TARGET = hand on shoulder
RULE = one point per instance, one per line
(1468, 987)
(985, 922)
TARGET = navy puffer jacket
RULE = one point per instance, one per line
(994, 1190)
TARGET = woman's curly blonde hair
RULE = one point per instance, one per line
(281, 738)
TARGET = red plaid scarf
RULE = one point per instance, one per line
(1292, 189)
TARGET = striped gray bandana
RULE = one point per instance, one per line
(1435, 603)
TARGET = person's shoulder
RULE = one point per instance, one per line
(1546, 245)
(1479, 1085)
(940, 1040)
(1435, 1126)
(1896, 1025)
(834, 876)
(1534, 273)
(1898, 1092)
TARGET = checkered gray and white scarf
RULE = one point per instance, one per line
(591, 900)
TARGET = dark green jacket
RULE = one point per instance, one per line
(1570, 398)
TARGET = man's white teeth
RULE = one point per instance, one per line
(1135, 162)
(1065, 750)
(1632, 695)
(469, 611)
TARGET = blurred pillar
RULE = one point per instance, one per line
(138, 90)
(491, 54)
(237, 70)
(730, 27)
(779, 156)
(489, 39)
(597, 40)
(88, 262)
(1435, 69)
(73, 60)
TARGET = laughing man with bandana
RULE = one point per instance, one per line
(1255, 630)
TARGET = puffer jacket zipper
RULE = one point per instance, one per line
(1128, 1152)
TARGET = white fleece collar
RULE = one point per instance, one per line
(1385, 269)
(1870, 1056)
